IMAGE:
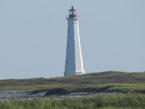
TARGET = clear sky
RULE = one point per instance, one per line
(33, 36)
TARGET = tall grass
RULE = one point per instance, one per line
(130, 101)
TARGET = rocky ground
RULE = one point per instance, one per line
(14, 95)
(92, 84)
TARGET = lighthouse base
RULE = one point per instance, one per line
(76, 73)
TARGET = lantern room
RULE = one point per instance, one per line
(72, 13)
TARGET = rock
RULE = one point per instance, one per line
(56, 91)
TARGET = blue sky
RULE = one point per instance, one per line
(33, 36)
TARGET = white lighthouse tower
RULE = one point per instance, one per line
(74, 59)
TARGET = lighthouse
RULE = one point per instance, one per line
(74, 60)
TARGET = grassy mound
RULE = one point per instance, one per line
(98, 82)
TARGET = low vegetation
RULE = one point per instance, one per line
(121, 101)
(130, 88)
(98, 82)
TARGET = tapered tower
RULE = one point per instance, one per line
(74, 59)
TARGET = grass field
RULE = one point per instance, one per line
(125, 101)
(105, 82)
(130, 85)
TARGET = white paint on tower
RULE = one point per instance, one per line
(74, 59)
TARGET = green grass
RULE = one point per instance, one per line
(103, 82)
(131, 84)
(119, 81)
(121, 101)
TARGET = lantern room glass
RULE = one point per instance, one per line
(71, 12)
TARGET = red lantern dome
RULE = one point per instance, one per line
(72, 13)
